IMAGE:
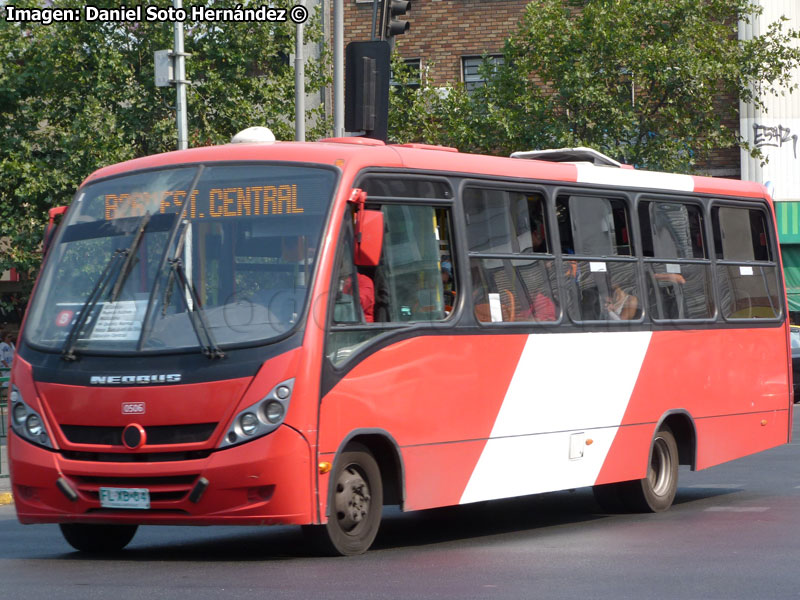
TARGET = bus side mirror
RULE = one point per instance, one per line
(369, 238)
(368, 230)
(52, 226)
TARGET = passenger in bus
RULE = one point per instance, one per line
(538, 238)
(543, 309)
(621, 306)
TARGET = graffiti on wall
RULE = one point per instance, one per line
(774, 136)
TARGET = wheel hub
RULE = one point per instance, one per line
(660, 467)
(352, 499)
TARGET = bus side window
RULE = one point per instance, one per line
(747, 272)
(679, 285)
(600, 278)
(414, 272)
(414, 281)
(511, 263)
(349, 299)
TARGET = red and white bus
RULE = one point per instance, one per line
(302, 333)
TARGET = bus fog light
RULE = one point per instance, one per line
(14, 396)
(273, 411)
(20, 414)
(34, 426)
(283, 392)
(249, 423)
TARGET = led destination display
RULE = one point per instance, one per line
(245, 201)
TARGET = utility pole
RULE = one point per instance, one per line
(299, 85)
(180, 83)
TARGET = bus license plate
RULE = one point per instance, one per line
(125, 498)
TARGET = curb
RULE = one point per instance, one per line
(6, 498)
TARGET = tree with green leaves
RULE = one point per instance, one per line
(76, 96)
(650, 82)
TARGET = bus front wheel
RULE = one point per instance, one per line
(355, 505)
(97, 538)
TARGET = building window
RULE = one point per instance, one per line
(473, 74)
(411, 77)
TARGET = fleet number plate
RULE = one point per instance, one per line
(125, 498)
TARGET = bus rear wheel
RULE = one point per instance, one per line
(656, 491)
(355, 505)
(97, 538)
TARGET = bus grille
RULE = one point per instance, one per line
(138, 457)
(156, 435)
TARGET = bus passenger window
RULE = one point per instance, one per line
(600, 272)
(746, 270)
(512, 269)
(677, 268)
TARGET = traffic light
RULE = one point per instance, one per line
(392, 25)
(366, 88)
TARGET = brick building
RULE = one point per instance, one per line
(444, 33)
(449, 37)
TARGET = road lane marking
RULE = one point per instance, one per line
(718, 486)
(737, 509)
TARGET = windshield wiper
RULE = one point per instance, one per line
(149, 315)
(108, 276)
(130, 258)
(197, 314)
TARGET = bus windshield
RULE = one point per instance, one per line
(140, 256)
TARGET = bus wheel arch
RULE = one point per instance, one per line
(681, 424)
(390, 462)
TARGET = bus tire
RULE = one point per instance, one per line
(97, 538)
(656, 491)
(354, 505)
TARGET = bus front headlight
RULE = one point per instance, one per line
(249, 423)
(261, 418)
(26, 422)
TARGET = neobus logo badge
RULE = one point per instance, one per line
(133, 408)
(134, 379)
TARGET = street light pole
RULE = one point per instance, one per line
(180, 83)
(299, 85)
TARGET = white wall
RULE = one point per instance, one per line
(775, 131)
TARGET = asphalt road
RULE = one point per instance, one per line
(734, 532)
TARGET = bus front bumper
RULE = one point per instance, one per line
(267, 481)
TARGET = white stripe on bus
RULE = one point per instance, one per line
(635, 178)
(564, 384)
